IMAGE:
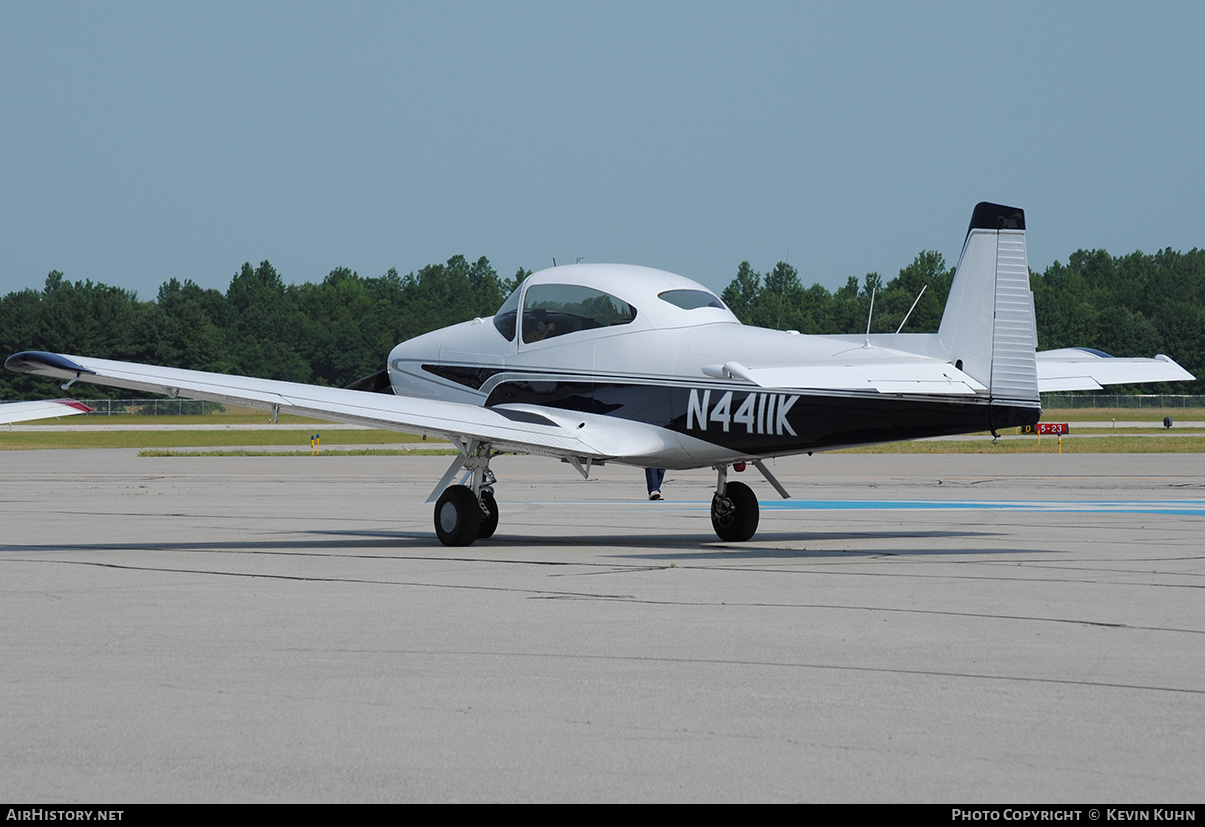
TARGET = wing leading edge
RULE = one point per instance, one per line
(524, 429)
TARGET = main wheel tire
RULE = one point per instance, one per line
(734, 514)
(489, 522)
(457, 516)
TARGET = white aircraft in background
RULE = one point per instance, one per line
(595, 363)
(11, 412)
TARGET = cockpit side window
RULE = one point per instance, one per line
(690, 299)
(556, 309)
(507, 316)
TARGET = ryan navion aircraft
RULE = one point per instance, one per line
(598, 363)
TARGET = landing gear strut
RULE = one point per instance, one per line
(465, 513)
(734, 511)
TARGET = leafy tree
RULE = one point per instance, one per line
(342, 328)
(928, 278)
(742, 292)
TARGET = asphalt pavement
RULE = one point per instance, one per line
(907, 628)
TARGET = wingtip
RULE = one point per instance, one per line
(1163, 357)
(39, 361)
(75, 403)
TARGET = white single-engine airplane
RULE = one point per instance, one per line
(598, 363)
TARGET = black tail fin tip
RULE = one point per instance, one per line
(996, 217)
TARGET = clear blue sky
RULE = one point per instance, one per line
(145, 141)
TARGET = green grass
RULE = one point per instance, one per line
(36, 440)
(227, 443)
(244, 417)
(240, 443)
(336, 452)
(1121, 430)
(1121, 444)
(1122, 414)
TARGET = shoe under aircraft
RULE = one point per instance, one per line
(595, 363)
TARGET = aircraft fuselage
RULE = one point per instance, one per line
(665, 367)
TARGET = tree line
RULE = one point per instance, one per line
(329, 333)
(342, 328)
(1134, 305)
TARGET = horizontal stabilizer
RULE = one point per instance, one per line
(1079, 369)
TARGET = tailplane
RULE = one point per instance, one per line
(988, 326)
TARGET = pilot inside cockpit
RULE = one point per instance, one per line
(552, 310)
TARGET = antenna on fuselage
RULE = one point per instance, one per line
(913, 307)
(870, 315)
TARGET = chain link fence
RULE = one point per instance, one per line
(152, 407)
(1155, 401)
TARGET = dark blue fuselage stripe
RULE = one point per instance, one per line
(761, 422)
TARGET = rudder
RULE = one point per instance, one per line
(988, 325)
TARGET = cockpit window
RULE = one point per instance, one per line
(506, 316)
(556, 309)
(690, 299)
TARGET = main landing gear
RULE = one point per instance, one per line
(734, 510)
(465, 513)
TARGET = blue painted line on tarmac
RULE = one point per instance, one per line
(1194, 508)
(1184, 508)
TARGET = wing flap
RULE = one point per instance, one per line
(896, 377)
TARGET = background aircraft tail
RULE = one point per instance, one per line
(988, 327)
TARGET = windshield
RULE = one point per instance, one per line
(507, 314)
(556, 309)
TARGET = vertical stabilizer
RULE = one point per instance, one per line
(988, 324)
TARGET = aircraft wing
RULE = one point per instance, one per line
(1080, 369)
(521, 428)
(24, 411)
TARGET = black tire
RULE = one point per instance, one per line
(457, 516)
(734, 515)
(489, 522)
